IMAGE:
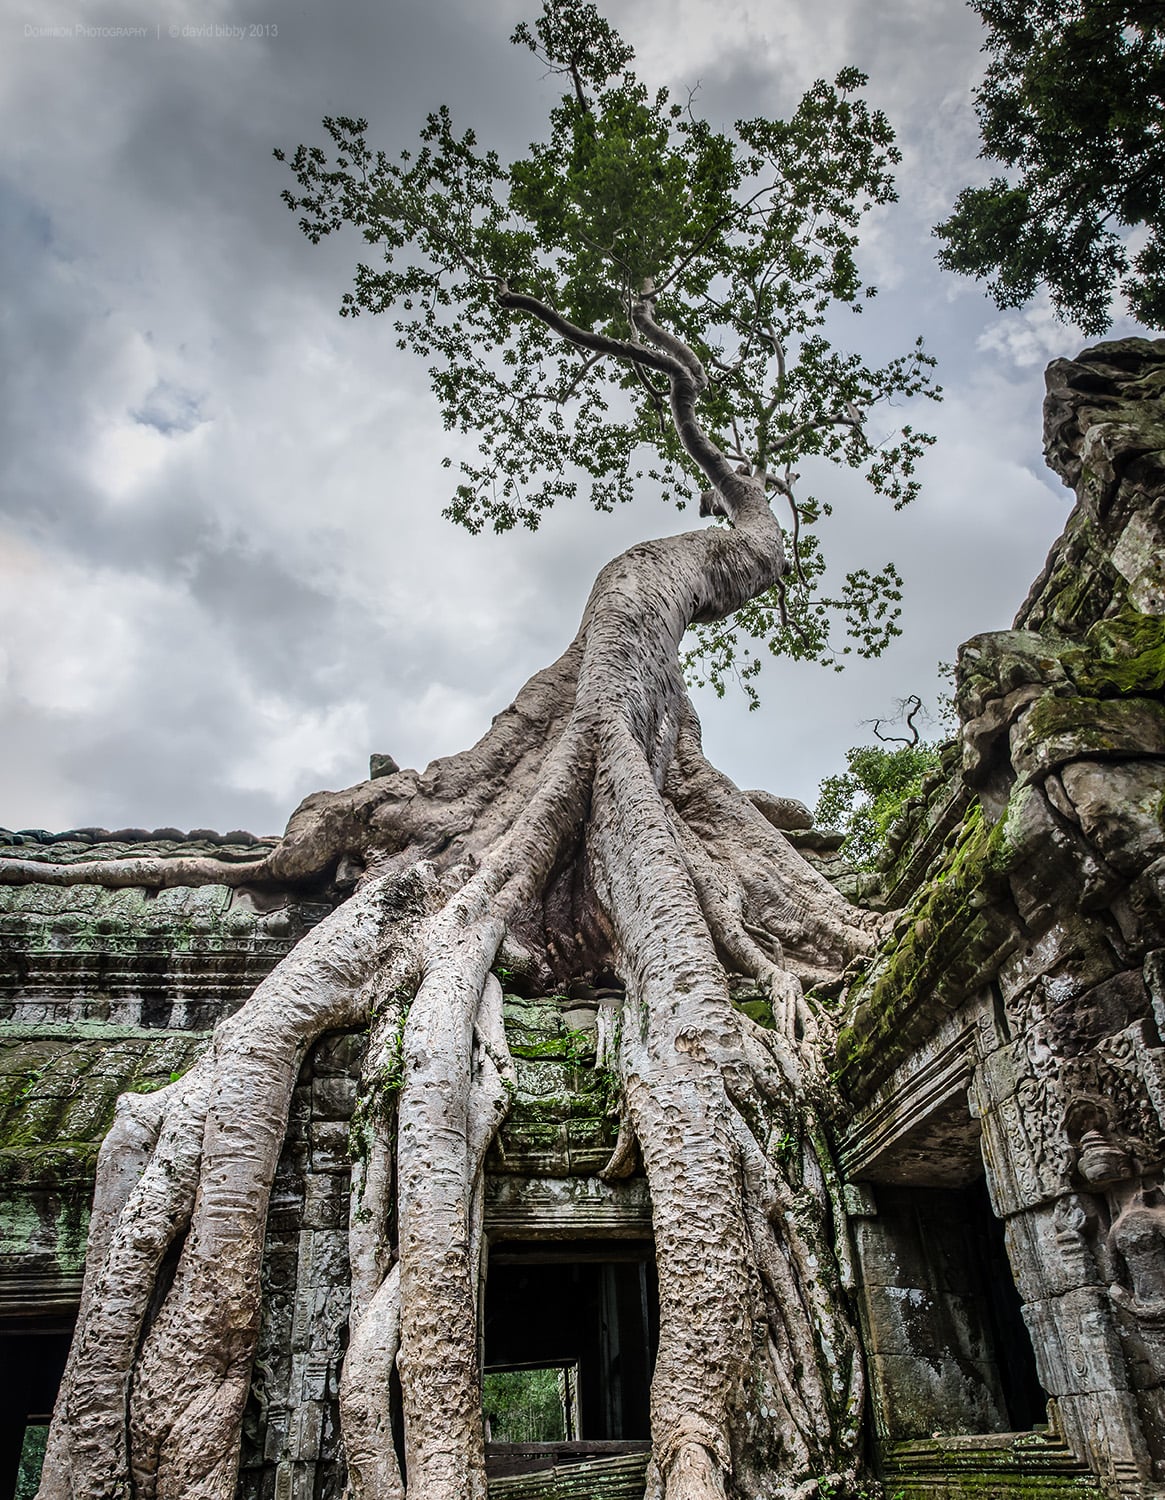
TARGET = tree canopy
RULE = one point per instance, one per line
(639, 290)
(528, 289)
(1073, 102)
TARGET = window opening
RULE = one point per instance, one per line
(31, 1460)
(531, 1403)
(570, 1333)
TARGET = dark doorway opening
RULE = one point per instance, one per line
(945, 1332)
(1024, 1397)
(589, 1309)
(32, 1361)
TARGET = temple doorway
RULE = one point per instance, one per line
(570, 1331)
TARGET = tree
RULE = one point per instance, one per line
(1074, 102)
(638, 283)
(864, 799)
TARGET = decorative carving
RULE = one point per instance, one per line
(1100, 1161)
(1138, 1236)
(1101, 1164)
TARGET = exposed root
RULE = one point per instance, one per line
(178, 1356)
(625, 1156)
(366, 1397)
(149, 871)
(587, 833)
(123, 1159)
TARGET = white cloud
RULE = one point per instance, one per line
(293, 741)
(71, 634)
(1027, 338)
(226, 579)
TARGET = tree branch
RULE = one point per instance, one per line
(643, 316)
(585, 338)
(898, 739)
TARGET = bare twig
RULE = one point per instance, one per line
(897, 739)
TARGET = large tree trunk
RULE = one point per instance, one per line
(584, 832)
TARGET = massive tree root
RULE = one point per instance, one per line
(584, 833)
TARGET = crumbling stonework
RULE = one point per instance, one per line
(1013, 1016)
(1002, 1131)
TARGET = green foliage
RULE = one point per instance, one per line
(864, 800)
(381, 1083)
(1074, 102)
(525, 1406)
(31, 1461)
(572, 1046)
(518, 287)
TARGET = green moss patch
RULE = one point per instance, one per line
(939, 950)
(1121, 657)
(61, 1093)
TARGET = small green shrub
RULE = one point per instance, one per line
(864, 800)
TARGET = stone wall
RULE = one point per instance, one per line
(1013, 1016)
(102, 992)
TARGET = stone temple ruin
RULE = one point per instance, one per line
(1000, 1072)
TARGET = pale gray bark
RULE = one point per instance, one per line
(584, 829)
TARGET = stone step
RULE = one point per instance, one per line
(620, 1478)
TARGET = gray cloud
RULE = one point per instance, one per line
(224, 578)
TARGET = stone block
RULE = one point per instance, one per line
(1118, 809)
(1144, 1346)
(323, 1261)
(284, 1218)
(1074, 1023)
(532, 1023)
(303, 1484)
(917, 1398)
(280, 1266)
(1141, 912)
(1076, 1342)
(1151, 1405)
(294, 1164)
(927, 1326)
(1024, 1151)
(333, 1096)
(887, 1255)
(567, 1207)
(329, 1146)
(299, 1116)
(1068, 731)
(549, 1083)
(314, 1379)
(89, 1113)
(900, 1320)
(1104, 1431)
(339, 1053)
(325, 1202)
(1048, 1252)
(1074, 951)
(278, 1428)
(859, 1200)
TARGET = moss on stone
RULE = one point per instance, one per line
(1121, 656)
(1056, 730)
(563, 1110)
(62, 1091)
(939, 949)
(757, 1008)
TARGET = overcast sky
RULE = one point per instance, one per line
(224, 576)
